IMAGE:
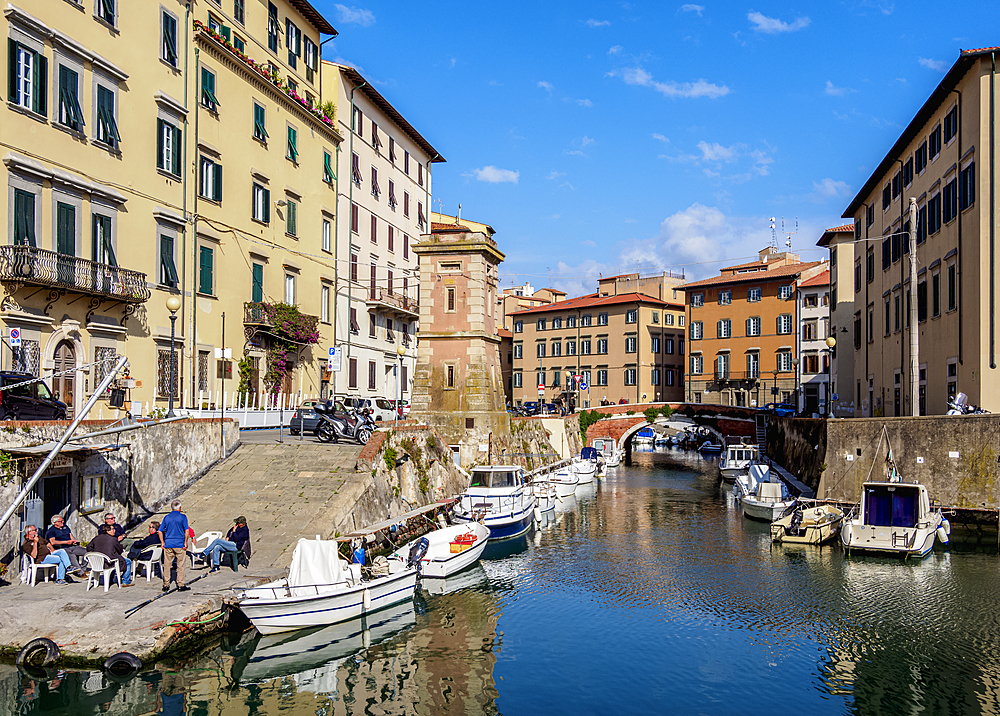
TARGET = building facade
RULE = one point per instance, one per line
(813, 295)
(840, 242)
(935, 162)
(156, 150)
(624, 347)
(743, 328)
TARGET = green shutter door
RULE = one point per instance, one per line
(258, 283)
(205, 270)
(216, 182)
(41, 66)
(176, 151)
(65, 229)
(167, 269)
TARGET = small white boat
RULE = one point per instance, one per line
(613, 461)
(710, 447)
(761, 495)
(808, 525)
(737, 461)
(449, 550)
(545, 495)
(322, 589)
(646, 436)
(498, 498)
(565, 481)
(585, 470)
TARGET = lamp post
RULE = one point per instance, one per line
(173, 305)
(831, 343)
(795, 384)
(400, 351)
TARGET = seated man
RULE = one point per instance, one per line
(117, 531)
(38, 549)
(236, 541)
(153, 539)
(106, 543)
(59, 536)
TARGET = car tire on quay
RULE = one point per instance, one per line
(364, 436)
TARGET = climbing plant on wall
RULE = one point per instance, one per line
(289, 331)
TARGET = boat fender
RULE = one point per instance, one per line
(122, 664)
(417, 552)
(538, 515)
(366, 601)
(942, 534)
(39, 652)
(947, 526)
(845, 534)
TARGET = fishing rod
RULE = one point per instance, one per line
(133, 610)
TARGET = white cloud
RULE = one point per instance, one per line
(354, 16)
(630, 221)
(771, 25)
(575, 152)
(453, 61)
(585, 103)
(760, 162)
(588, 242)
(496, 176)
(693, 8)
(657, 135)
(545, 85)
(555, 175)
(615, 50)
(699, 88)
(715, 152)
(585, 141)
(936, 65)
(829, 189)
(597, 23)
(834, 91)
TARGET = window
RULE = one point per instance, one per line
(557, 349)
(896, 311)
(753, 326)
(293, 41)
(809, 330)
(518, 380)
(949, 203)
(420, 214)
(886, 197)
(290, 289)
(70, 113)
(372, 326)
(518, 350)
(951, 124)
(168, 42)
(696, 330)
(871, 323)
(291, 218)
(326, 235)
(571, 348)
(811, 301)
(375, 187)
(810, 363)
(355, 226)
(785, 323)
(602, 376)
(24, 218)
(952, 288)
(670, 376)
(261, 209)
(406, 163)
(585, 320)
(102, 248)
(857, 276)
(632, 315)
(697, 364)
(585, 347)
(886, 253)
(920, 158)
(630, 376)
(352, 371)
(65, 229)
(785, 292)
(602, 319)
(697, 300)
(210, 180)
(724, 328)
(921, 224)
(870, 265)
(208, 100)
(896, 188)
(785, 361)
(328, 175)
(540, 350)
(722, 366)
(107, 127)
(555, 378)
(168, 147)
(392, 195)
(934, 214)
(168, 270)
(753, 294)
(922, 300)
(292, 151)
(934, 141)
(668, 319)
(257, 287)
(869, 215)
(451, 299)
(669, 345)
(753, 365)
(311, 56)
(630, 344)
(206, 260)
(967, 186)
(239, 44)
(167, 364)
(725, 298)
(406, 246)
(654, 344)
(353, 321)
(420, 174)
(570, 321)
(518, 326)
(259, 124)
(602, 345)
(908, 172)
(888, 317)
(680, 321)
(392, 150)
(406, 204)
(239, 11)
(371, 376)
(540, 324)
(556, 323)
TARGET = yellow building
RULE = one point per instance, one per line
(160, 149)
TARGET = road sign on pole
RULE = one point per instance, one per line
(15, 337)
(333, 359)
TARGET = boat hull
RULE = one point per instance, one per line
(819, 524)
(506, 526)
(585, 471)
(565, 484)
(764, 511)
(271, 613)
(729, 474)
(902, 541)
(440, 561)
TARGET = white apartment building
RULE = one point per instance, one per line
(384, 194)
(814, 354)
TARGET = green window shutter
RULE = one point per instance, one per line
(208, 89)
(327, 169)
(109, 249)
(216, 182)
(227, 33)
(205, 270)
(176, 151)
(267, 206)
(168, 270)
(24, 218)
(258, 283)
(293, 151)
(41, 83)
(11, 70)
(291, 217)
(159, 144)
(260, 130)
(65, 229)
(170, 39)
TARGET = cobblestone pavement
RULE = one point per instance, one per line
(286, 491)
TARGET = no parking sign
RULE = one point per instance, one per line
(15, 337)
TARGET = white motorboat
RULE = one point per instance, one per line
(545, 495)
(498, 498)
(761, 495)
(613, 461)
(322, 589)
(565, 481)
(449, 550)
(646, 436)
(585, 470)
(808, 525)
(609, 451)
(737, 461)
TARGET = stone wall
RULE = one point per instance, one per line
(799, 445)
(151, 466)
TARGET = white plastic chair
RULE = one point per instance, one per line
(198, 553)
(151, 556)
(102, 566)
(30, 569)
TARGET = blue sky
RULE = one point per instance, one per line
(607, 137)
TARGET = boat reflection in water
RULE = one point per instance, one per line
(474, 576)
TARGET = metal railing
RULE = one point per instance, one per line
(396, 300)
(41, 267)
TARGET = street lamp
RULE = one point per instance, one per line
(831, 343)
(173, 305)
(400, 351)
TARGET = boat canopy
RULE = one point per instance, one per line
(494, 477)
(895, 505)
(589, 453)
(314, 562)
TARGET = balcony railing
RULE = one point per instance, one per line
(393, 301)
(254, 314)
(39, 267)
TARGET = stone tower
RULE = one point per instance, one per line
(457, 387)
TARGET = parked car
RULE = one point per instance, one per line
(782, 410)
(28, 402)
(529, 407)
(305, 416)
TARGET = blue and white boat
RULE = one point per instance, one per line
(646, 436)
(498, 498)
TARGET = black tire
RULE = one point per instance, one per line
(122, 664)
(364, 435)
(325, 433)
(39, 652)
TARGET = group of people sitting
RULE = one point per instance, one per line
(174, 535)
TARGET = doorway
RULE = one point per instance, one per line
(65, 385)
(49, 496)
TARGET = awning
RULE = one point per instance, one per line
(385, 524)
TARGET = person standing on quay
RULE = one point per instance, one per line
(175, 542)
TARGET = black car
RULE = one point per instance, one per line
(305, 416)
(28, 402)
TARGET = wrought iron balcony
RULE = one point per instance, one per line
(254, 314)
(385, 300)
(32, 266)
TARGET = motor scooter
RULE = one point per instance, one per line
(334, 426)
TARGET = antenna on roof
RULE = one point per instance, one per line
(789, 234)
(774, 237)
(459, 217)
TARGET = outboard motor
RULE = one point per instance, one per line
(417, 552)
(796, 522)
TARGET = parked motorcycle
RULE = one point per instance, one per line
(961, 406)
(334, 426)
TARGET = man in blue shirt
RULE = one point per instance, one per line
(175, 542)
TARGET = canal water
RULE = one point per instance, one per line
(647, 593)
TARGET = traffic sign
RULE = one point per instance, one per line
(334, 359)
(583, 385)
(836, 396)
(333, 351)
(15, 337)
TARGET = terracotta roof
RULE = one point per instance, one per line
(752, 264)
(551, 290)
(310, 13)
(593, 300)
(820, 279)
(437, 228)
(504, 333)
(844, 227)
(828, 235)
(775, 273)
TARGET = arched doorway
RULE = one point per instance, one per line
(64, 386)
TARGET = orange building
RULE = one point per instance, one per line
(743, 331)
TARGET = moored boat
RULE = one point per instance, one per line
(449, 550)
(736, 461)
(646, 436)
(761, 495)
(565, 481)
(545, 495)
(497, 497)
(808, 525)
(585, 470)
